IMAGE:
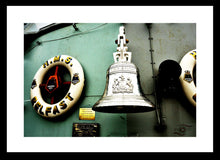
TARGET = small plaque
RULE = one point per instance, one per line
(86, 114)
(85, 130)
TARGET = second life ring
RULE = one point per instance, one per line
(187, 63)
(54, 84)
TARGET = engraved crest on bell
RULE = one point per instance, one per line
(122, 85)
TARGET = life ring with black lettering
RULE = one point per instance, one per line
(54, 85)
(187, 64)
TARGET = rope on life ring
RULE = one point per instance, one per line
(187, 64)
(53, 83)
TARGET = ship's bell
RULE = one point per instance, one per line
(122, 92)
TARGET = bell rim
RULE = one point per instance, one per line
(123, 109)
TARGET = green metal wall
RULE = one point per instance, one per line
(93, 48)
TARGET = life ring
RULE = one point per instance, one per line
(53, 83)
(187, 64)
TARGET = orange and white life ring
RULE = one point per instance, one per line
(76, 86)
(187, 64)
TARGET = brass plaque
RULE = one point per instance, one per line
(86, 114)
(85, 130)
